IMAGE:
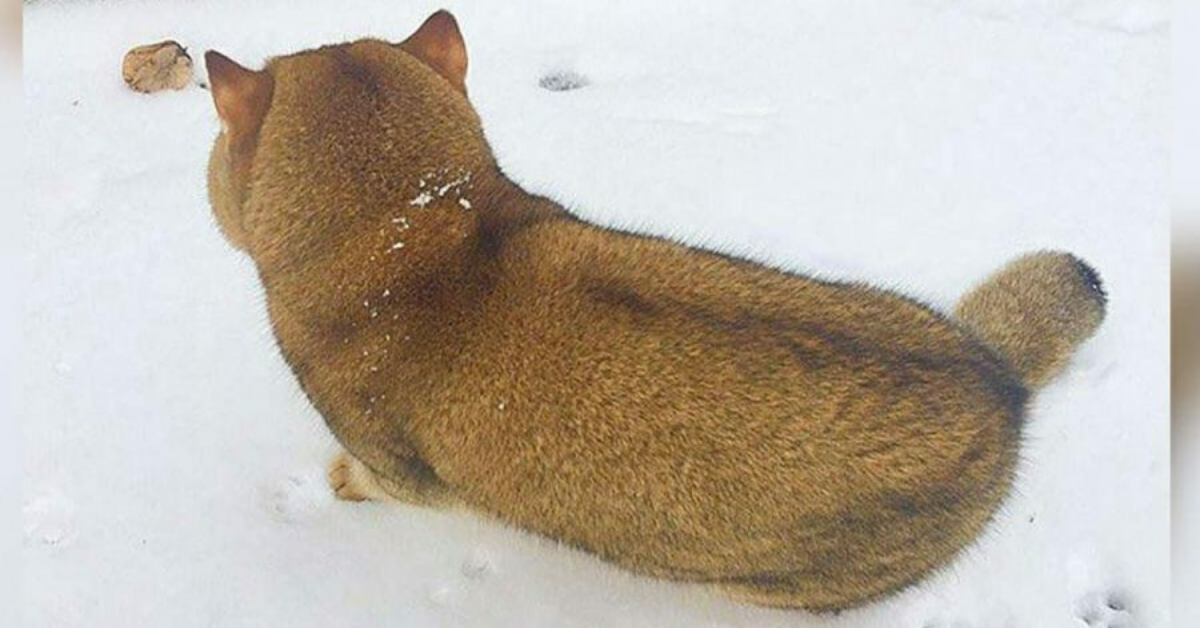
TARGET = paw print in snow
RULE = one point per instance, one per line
(1105, 609)
(297, 497)
(563, 81)
(49, 519)
(477, 565)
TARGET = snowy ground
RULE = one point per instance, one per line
(173, 472)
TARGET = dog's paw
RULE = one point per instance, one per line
(351, 480)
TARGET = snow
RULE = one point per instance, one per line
(174, 473)
(423, 199)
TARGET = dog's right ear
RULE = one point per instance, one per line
(439, 44)
(241, 96)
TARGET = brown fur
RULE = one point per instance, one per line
(1058, 300)
(797, 443)
(1185, 335)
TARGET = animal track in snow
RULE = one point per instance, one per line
(477, 566)
(49, 519)
(298, 497)
(1105, 609)
(563, 81)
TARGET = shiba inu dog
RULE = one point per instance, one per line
(795, 442)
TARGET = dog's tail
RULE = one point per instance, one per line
(1036, 311)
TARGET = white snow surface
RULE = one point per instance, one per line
(174, 473)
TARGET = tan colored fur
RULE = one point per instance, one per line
(687, 415)
(1058, 302)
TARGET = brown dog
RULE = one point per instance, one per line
(798, 443)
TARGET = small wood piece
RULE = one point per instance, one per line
(155, 67)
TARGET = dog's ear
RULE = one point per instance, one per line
(241, 96)
(439, 44)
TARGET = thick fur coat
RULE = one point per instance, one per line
(795, 442)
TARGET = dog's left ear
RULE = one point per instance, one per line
(242, 96)
(439, 44)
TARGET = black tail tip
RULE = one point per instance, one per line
(1091, 279)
